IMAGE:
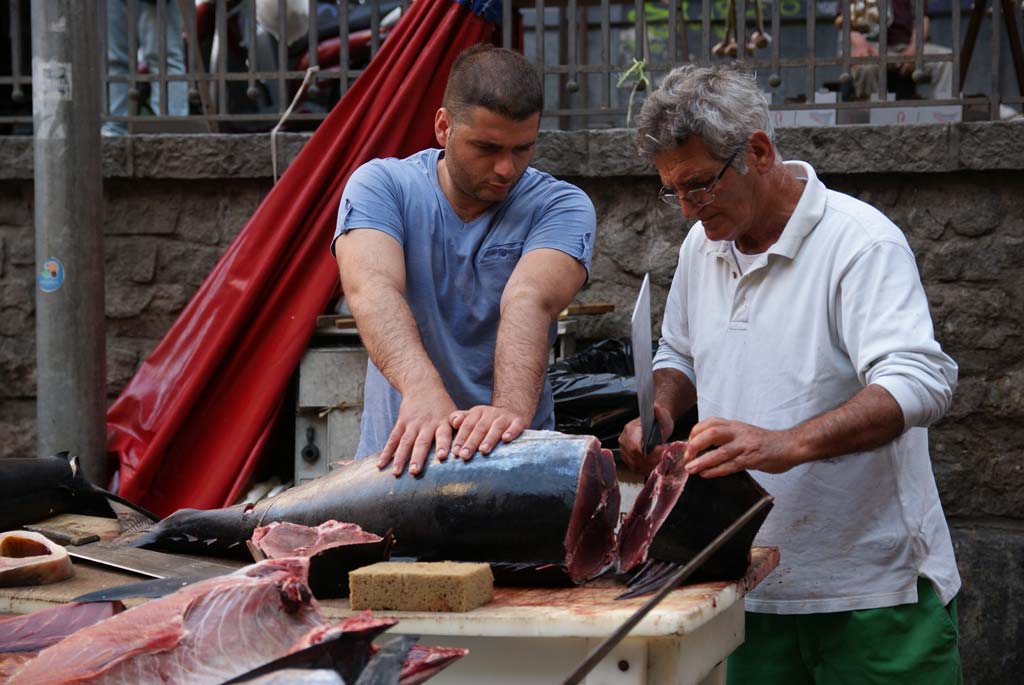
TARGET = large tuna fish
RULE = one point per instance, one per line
(544, 499)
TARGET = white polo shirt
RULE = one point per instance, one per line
(834, 305)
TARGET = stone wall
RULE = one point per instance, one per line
(174, 204)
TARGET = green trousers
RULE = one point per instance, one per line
(900, 645)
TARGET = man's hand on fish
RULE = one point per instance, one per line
(631, 442)
(423, 419)
(481, 427)
(718, 447)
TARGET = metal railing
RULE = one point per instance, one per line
(237, 65)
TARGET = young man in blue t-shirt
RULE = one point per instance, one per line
(455, 264)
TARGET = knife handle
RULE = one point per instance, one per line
(653, 438)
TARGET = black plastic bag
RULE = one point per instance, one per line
(595, 392)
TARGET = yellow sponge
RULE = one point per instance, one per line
(421, 586)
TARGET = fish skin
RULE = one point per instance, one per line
(297, 676)
(518, 504)
(346, 647)
(38, 488)
(386, 665)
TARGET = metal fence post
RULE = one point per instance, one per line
(70, 327)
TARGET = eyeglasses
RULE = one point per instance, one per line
(701, 197)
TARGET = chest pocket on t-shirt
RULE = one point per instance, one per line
(501, 254)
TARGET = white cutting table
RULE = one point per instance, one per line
(526, 636)
(541, 635)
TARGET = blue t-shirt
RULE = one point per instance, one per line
(455, 272)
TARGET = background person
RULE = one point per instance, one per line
(901, 41)
(148, 33)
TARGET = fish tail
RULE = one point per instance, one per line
(153, 518)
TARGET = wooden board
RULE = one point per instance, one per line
(76, 529)
(87, 578)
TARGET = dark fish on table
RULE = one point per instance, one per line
(545, 499)
(35, 489)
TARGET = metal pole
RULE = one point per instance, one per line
(70, 330)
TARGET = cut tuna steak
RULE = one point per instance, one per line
(676, 516)
(28, 558)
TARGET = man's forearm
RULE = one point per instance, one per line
(529, 305)
(393, 341)
(870, 419)
(520, 357)
(674, 391)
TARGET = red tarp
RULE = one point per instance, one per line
(190, 425)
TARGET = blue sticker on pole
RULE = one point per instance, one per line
(51, 276)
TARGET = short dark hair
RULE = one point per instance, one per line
(497, 79)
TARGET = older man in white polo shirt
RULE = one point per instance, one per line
(798, 324)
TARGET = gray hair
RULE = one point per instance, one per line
(721, 104)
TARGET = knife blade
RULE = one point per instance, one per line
(146, 562)
(640, 325)
(150, 589)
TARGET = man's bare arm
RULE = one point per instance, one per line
(372, 268)
(870, 419)
(542, 285)
(674, 391)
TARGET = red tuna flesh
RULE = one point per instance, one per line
(204, 633)
(283, 539)
(40, 629)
